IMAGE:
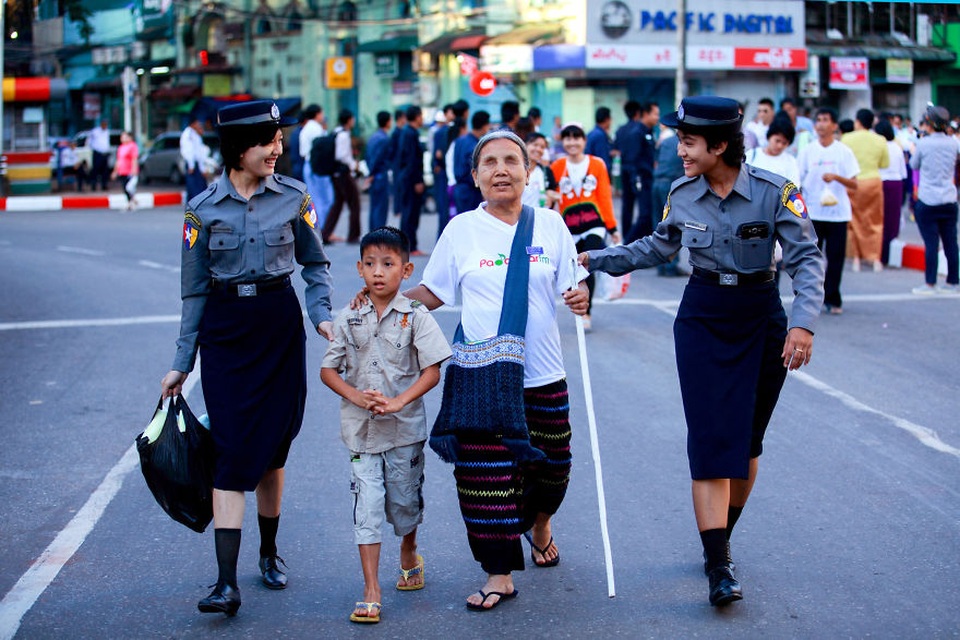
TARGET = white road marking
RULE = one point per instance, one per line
(31, 585)
(156, 265)
(81, 251)
(93, 322)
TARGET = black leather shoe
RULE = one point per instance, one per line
(724, 588)
(273, 577)
(728, 562)
(223, 599)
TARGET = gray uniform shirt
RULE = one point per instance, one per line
(233, 240)
(713, 229)
(936, 158)
(387, 355)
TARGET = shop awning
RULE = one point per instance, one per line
(533, 35)
(103, 84)
(456, 41)
(400, 42)
(177, 94)
(925, 54)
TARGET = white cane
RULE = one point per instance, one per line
(594, 443)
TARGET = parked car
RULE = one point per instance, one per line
(162, 160)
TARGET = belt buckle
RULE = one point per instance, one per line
(246, 290)
(729, 279)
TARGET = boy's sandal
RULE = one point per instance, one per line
(406, 574)
(370, 617)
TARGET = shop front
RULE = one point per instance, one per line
(25, 145)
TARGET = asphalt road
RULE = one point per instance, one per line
(852, 530)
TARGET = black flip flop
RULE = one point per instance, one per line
(503, 596)
(543, 552)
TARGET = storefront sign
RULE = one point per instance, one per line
(810, 81)
(507, 58)
(849, 73)
(900, 70)
(554, 57)
(697, 58)
(339, 73)
(91, 106)
(708, 22)
(386, 65)
(483, 83)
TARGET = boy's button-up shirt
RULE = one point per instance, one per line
(387, 355)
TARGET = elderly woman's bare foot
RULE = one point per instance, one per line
(498, 587)
(544, 551)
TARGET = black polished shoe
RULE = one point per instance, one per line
(223, 599)
(724, 588)
(273, 577)
(728, 562)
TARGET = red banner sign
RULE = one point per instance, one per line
(771, 58)
(849, 73)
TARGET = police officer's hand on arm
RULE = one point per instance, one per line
(172, 383)
(325, 329)
(797, 348)
(583, 260)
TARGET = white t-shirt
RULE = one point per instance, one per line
(898, 165)
(536, 189)
(783, 165)
(826, 201)
(471, 256)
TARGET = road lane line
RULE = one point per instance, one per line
(81, 251)
(925, 435)
(156, 265)
(94, 322)
(31, 585)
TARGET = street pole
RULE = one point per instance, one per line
(127, 78)
(680, 85)
(3, 45)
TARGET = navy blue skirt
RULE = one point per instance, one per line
(728, 344)
(253, 363)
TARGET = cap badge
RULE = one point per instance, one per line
(680, 113)
(274, 112)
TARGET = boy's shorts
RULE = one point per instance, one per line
(388, 483)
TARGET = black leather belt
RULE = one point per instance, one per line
(250, 289)
(733, 279)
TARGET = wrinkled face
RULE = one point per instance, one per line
(776, 144)
(824, 125)
(261, 160)
(383, 270)
(501, 172)
(535, 149)
(697, 158)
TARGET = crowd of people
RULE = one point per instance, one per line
(781, 192)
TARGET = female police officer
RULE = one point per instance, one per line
(732, 343)
(240, 239)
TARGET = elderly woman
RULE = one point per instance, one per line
(241, 239)
(733, 345)
(501, 494)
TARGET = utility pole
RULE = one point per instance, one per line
(3, 44)
(680, 88)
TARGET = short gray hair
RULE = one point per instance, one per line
(500, 134)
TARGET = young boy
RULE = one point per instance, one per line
(389, 354)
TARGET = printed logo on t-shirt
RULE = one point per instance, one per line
(502, 260)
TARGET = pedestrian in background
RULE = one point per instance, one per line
(319, 187)
(409, 176)
(440, 142)
(757, 128)
(893, 178)
(127, 167)
(378, 161)
(466, 192)
(647, 215)
(936, 210)
(99, 142)
(598, 142)
(293, 150)
(383, 421)
(866, 226)
(344, 186)
(773, 156)
(669, 167)
(627, 144)
(194, 153)
(509, 115)
(399, 124)
(241, 242)
(542, 189)
(732, 343)
(828, 174)
(586, 200)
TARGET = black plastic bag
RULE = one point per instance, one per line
(178, 466)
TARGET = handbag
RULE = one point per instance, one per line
(176, 459)
(483, 382)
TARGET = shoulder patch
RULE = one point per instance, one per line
(792, 199)
(666, 208)
(308, 212)
(191, 229)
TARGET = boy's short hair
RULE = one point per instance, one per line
(388, 238)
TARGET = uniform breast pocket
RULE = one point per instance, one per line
(694, 239)
(753, 246)
(225, 258)
(278, 249)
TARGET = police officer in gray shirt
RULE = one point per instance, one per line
(241, 239)
(732, 343)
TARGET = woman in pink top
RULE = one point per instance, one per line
(127, 166)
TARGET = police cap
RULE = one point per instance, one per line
(253, 112)
(704, 112)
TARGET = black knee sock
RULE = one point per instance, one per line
(733, 514)
(715, 546)
(228, 550)
(268, 535)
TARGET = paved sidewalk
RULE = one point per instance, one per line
(147, 197)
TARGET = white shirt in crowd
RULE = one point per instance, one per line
(471, 257)
(192, 149)
(827, 201)
(310, 131)
(897, 169)
(99, 140)
(343, 149)
(783, 165)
